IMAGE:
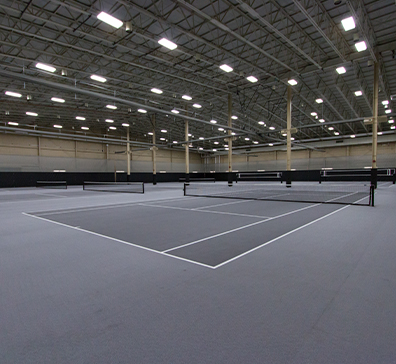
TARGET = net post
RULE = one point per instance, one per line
(288, 178)
(154, 178)
(184, 189)
(187, 178)
(394, 176)
(143, 187)
(230, 179)
(374, 177)
(372, 189)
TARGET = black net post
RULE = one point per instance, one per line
(372, 189)
(287, 176)
(187, 178)
(230, 178)
(154, 178)
(374, 177)
(394, 176)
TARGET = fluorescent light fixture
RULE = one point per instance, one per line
(98, 78)
(379, 133)
(247, 139)
(226, 68)
(80, 118)
(272, 127)
(31, 113)
(336, 133)
(255, 142)
(321, 120)
(252, 79)
(283, 134)
(197, 106)
(125, 124)
(13, 94)
(348, 23)
(215, 142)
(213, 121)
(45, 67)
(167, 44)
(57, 99)
(319, 101)
(189, 134)
(157, 91)
(361, 46)
(150, 133)
(108, 19)
(220, 129)
(12, 123)
(164, 131)
(175, 142)
(270, 144)
(385, 102)
(353, 136)
(292, 82)
(234, 117)
(84, 128)
(200, 148)
(112, 127)
(358, 93)
(393, 127)
(313, 113)
(292, 138)
(341, 70)
(142, 111)
(215, 150)
(186, 97)
(233, 133)
(112, 107)
(331, 128)
(391, 121)
(58, 126)
(226, 148)
(388, 111)
(109, 121)
(201, 138)
(175, 111)
(163, 139)
(261, 123)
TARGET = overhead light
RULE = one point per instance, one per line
(175, 111)
(255, 142)
(233, 133)
(313, 113)
(167, 44)
(292, 82)
(252, 79)
(45, 67)
(379, 133)
(112, 107)
(220, 129)
(215, 142)
(108, 19)
(388, 111)
(84, 128)
(12, 123)
(142, 111)
(189, 134)
(348, 23)
(13, 94)
(392, 127)
(58, 126)
(125, 124)
(358, 93)
(197, 106)
(321, 120)
(175, 142)
(215, 150)
(272, 127)
(331, 128)
(226, 148)
(150, 133)
(270, 144)
(336, 133)
(234, 117)
(341, 70)
(353, 136)
(57, 99)
(80, 118)
(247, 139)
(319, 101)
(385, 102)
(213, 121)
(112, 127)
(201, 138)
(98, 78)
(186, 97)
(391, 121)
(261, 122)
(200, 148)
(292, 138)
(109, 121)
(226, 68)
(162, 139)
(361, 46)
(157, 91)
(31, 113)
(164, 131)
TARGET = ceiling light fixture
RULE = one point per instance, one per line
(125, 124)
(336, 133)
(142, 111)
(348, 23)
(157, 91)
(358, 93)
(108, 19)
(252, 79)
(213, 121)
(58, 126)
(112, 127)
(84, 128)
(45, 67)
(109, 121)
(388, 111)
(270, 144)
(80, 118)
(353, 136)
(385, 102)
(12, 123)
(164, 131)
(186, 97)
(313, 113)
(57, 99)
(13, 94)
(197, 106)
(292, 82)
(391, 121)
(98, 78)
(175, 111)
(234, 117)
(226, 68)
(321, 120)
(31, 113)
(112, 107)
(261, 123)
(167, 44)
(331, 128)
(319, 101)
(272, 127)
(341, 70)
(361, 46)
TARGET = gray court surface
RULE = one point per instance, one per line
(92, 277)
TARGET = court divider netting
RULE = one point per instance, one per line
(124, 187)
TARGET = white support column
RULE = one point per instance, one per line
(128, 155)
(375, 116)
(229, 140)
(154, 150)
(288, 129)
(187, 151)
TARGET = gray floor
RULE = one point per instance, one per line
(89, 277)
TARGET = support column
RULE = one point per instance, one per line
(128, 156)
(229, 140)
(154, 150)
(288, 133)
(375, 126)
(186, 148)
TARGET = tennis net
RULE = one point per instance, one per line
(354, 193)
(51, 184)
(126, 187)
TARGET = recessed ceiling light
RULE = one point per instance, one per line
(80, 118)
(167, 43)
(31, 113)
(358, 93)
(270, 144)
(388, 111)
(348, 23)
(142, 111)
(84, 128)
(45, 67)
(272, 127)
(321, 120)
(125, 124)
(157, 91)
(186, 97)
(109, 121)
(12, 123)
(98, 78)
(385, 102)
(234, 117)
(341, 70)
(226, 68)
(391, 121)
(58, 126)
(313, 113)
(252, 79)
(108, 19)
(331, 128)
(112, 107)
(112, 127)
(336, 133)
(261, 122)
(361, 46)
(197, 106)
(353, 136)
(13, 94)
(292, 82)
(213, 121)
(175, 111)
(319, 101)
(57, 99)
(164, 131)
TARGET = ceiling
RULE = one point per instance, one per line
(274, 41)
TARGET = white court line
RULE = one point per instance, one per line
(117, 240)
(349, 194)
(205, 211)
(237, 229)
